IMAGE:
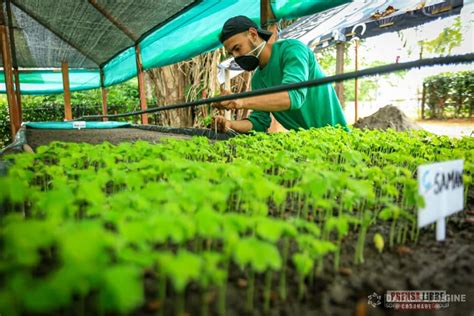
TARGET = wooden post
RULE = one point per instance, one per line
(141, 85)
(340, 70)
(266, 19)
(356, 92)
(265, 12)
(15, 121)
(14, 59)
(104, 95)
(423, 100)
(18, 92)
(67, 92)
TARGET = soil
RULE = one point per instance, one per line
(149, 133)
(387, 117)
(38, 137)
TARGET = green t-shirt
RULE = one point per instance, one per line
(292, 61)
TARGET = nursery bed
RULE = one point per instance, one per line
(42, 135)
(167, 228)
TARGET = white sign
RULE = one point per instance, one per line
(79, 124)
(441, 185)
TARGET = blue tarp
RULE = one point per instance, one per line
(367, 18)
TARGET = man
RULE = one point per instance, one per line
(281, 62)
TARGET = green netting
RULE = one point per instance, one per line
(194, 32)
(121, 68)
(83, 32)
(70, 125)
(191, 32)
(291, 9)
(51, 82)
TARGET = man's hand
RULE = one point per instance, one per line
(221, 124)
(228, 105)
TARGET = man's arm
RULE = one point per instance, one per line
(258, 121)
(266, 103)
(223, 125)
(241, 126)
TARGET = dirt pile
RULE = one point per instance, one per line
(387, 117)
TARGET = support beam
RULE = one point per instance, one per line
(104, 95)
(15, 122)
(423, 100)
(356, 85)
(16, 72)
(67, 92)
(267, 19)
(141, 85)
(114, 20)
(11, 96)
(340, 70)
(14, 59)
(265, 12)
(266, 22)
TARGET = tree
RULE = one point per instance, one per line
(444, 43)
(188, 81)
(367, 87)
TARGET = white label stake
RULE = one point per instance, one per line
(79, 124)
(441, 185)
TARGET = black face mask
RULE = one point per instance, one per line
(250, 62)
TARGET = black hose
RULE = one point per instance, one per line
(466, 58)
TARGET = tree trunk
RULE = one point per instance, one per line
(188, 81)
(168, 87)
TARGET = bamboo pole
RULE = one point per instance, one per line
(141, 85)
(104, 95)
(14, 60)
(267, 19)
(356, 92)
(266, 23)
(423, 100)
(340, 70)
(18, 92)
(67, 91)
(15, 122)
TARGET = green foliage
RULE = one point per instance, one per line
(93, 222)
(258, 255)
(449, 38)
(303, 263)
(123, 289)
(449, 95)
(367, 87)
(181, 268)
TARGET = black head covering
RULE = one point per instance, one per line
(239, 24)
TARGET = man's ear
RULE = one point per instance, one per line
(253, 33)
